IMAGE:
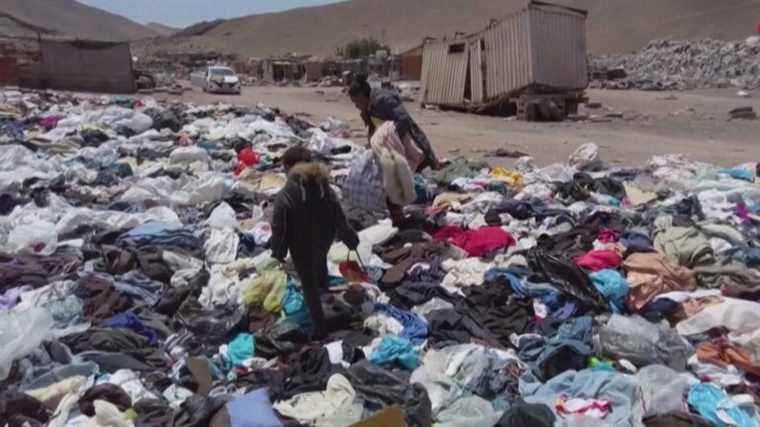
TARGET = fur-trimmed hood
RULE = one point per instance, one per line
(309, 177)
(309, 172)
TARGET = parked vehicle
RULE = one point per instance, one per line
(217, 79)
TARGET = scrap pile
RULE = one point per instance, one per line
(136, 286)
(680, 65)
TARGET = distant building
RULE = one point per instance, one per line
(410, 64)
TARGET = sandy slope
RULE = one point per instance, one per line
(69, 17)
(614, 25)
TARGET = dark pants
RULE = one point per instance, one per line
(396, 212)
(314, 282)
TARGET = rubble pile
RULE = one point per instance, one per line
(137, 287)
(681, 65)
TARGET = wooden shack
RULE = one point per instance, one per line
(278, 70)
(538, 51)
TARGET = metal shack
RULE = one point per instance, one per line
(81, 65)
(410, 64)
(538, 51)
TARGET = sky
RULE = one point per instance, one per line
(181, 13)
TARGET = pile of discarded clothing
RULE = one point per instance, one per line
(137, 286)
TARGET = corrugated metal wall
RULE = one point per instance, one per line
(508, 64)
(443, 74)
(559, 48)
(97, 67)
(476, 71)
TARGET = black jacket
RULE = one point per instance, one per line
(307, 216)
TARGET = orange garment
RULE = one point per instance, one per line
(720, 352)
(650, 274)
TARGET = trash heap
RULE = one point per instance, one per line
(137, 289)
(682, 65)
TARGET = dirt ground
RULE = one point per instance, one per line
(694, 123)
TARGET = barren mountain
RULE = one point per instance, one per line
(69, 18)
(161, 29)
(614, 25)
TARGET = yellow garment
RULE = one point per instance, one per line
(53, 393)
(512, 178)
(637, 196)
(377, 122)
(452, 200)
(266, 289)
(272, 182)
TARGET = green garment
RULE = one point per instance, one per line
(459, 168)
(731, 275)
(685, 246)
(267, 289)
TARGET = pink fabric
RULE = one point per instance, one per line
(445, 233)
(406, 147)
(596, 408)
(608, 236)
(742, 212)
(50, 122)
(476, 243)
(599, 260)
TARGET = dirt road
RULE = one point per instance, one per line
(693, 123)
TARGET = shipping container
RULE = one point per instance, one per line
(93, 66)
(541, 48)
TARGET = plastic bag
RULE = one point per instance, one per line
(471, 411)
(643, 343)
(364, 185)
(584, 155)
(393, 349)
(368, 238)
(139, 123)
(525, 164)
(222, 246)
(294, 307)
(267, 290)
(189, 155)
(223, 216)
(663, 389)
(20, 333)
(39, 237)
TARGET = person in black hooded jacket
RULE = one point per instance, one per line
(307, 219)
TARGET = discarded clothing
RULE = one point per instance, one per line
(613, 287)
(650, 274)
(394, 350)
(477, 243)
(599, 260)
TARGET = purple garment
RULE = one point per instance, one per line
(10, 298)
